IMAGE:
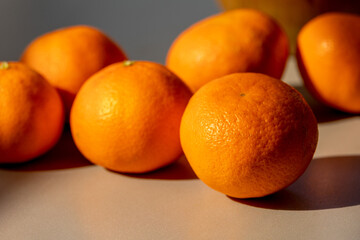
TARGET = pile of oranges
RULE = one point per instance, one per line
(218, 99)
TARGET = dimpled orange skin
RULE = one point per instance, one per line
(127, 117)
(68, 56)
(241, 40)
(328, 56)
(248, 135)
(31, 114)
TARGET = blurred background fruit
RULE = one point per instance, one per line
(292, 15)
(328, 56)
(68, 56)
(242, 40)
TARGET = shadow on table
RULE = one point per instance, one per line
(322, 112)
(65, 155)
(331, 182)
(178, 170)
(62, 156)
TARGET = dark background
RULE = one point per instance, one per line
(145, 29)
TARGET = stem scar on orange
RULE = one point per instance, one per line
(248, 135)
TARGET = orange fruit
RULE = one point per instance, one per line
(248, 135)
(68, 56)
(31, 114)
(127, 117)
(328, 57)
(241, 40)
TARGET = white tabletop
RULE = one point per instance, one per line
(62, 196)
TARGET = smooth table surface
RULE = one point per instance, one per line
(62, 196)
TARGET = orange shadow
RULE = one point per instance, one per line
(62, 156)
(330, 182)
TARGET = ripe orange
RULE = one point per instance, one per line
(241, 40)
(248, 135)
(68, 56)
(127, 117)
(31, 114)
(328, 56)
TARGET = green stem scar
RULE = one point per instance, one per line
(127, 63)
(242, 94)
(4, 65)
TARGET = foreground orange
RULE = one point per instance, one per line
(127, 117)
(31, 114)
(241, 40)
(68, 56)
(248, 135)
(328, 56)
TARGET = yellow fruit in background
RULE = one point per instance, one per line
(242, 40)
(328, 57)
(248, 135)
(292, 15)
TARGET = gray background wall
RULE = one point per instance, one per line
(144, 28)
